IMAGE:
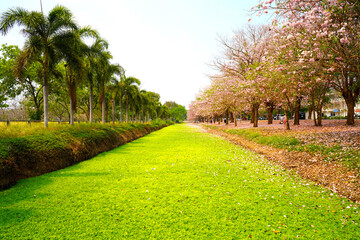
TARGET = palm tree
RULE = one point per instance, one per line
(104, 76)
(133, 100)
(130, 87)
(154, 101)
(46, 39)
(96, 54)
(141, 104)
(115, 90)
(75, 65)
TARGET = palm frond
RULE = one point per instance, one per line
(87, 31)
(60, 18)
(11, 17)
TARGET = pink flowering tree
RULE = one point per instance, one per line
(328, 32)
(243, 54)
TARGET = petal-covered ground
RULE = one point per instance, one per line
(328, 155)
(179, 182)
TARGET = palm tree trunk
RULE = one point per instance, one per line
(46, 103)
(71, 113)
(127, 111)
(121, 113)
(132, 113)
(46, 90)
(113, 111)
(91, 103)
(103, 109)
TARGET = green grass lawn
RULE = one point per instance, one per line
(175, 183)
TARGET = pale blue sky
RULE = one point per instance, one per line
(167, 44)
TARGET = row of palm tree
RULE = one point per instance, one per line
(140, 103)
(57, 42)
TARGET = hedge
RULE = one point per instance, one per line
(46, 151)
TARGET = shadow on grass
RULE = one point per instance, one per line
(24, 190)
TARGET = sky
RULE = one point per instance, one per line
(168, 45)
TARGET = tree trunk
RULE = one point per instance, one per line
(350, 103)
(227, 116)
(127, 110)
(252, 114)
(103, 110)
(46, 88)
(297, 111)
(287, 122)
(314, 113)
(231, 117)
(71, 120)
(46, 101)
(91, 103)
(310, 112)
(235, 120)
(132, 113)
(113, 111)
(127, 113)
(270, 110)
(256, 114)
(319, 117)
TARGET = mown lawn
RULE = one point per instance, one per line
(175, 183)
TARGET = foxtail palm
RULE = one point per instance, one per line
(46, 38)
(143, 103)
(75, 64)
(130, 86)
(104, 76)
(96, 54)
(133, 100)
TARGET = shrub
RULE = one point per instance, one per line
(53, 149)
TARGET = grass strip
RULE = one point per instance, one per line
(347, 156)
(175, 183)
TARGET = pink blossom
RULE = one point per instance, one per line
(344, 40)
